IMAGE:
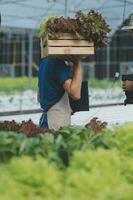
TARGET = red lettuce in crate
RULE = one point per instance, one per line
(91, 26)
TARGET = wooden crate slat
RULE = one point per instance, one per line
(76, 43)
(44, 52)
(70, 50)
(66, 50)
(66, 44)
(42, 49)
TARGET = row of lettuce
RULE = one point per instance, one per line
(73, 163)
(20, 84)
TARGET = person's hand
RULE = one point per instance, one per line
(71, 58)
(74, 58)
(127, 86)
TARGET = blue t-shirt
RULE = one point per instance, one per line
(52, 74)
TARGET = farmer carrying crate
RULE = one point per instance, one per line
(65, 40)
(56, 82)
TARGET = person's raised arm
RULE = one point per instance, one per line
(127, 86)
(73, 86)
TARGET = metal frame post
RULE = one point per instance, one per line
(30, 57)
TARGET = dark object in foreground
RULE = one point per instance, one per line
(129, 95)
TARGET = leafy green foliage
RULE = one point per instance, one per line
(123, 138)
(12, 85)
(91, 26)
(12, 144)
(97, 175)
(9, 145)
(31, 179)
(95, 83)
(92, 175)
(56, 146)
(59, 146)
(9, 190)
(72, 163)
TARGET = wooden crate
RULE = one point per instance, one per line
(66, 44)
